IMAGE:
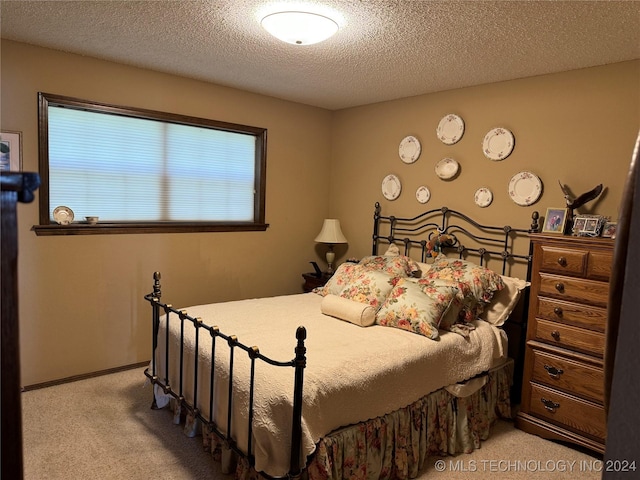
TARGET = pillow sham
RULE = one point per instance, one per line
(357, 313)
(368, 286)
(396, 266)
(504, 301)
(359, 283)
(392, 251)
(341, 277)
(416, 306)
(477, 284)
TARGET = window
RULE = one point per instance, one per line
(146, 171)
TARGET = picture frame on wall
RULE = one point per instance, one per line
(555, 220)
(10, 151)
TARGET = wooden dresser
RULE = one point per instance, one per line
(563, 381)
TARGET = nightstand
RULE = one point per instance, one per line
(311, 280)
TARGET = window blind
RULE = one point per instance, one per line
(127, 169)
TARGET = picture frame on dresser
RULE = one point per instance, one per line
(588, 225)
(609, 229)
(555, 220)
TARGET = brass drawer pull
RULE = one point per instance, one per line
(553, 371)
(550, 405)
(560, 287)
(556, 335)
(562, 262)
(558, 311)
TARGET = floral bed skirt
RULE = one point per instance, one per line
(395, 446)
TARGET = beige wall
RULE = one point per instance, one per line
(578, 127)
(81, 306)
(81, 301)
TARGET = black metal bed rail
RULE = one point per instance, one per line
(442, 221)
(298, 363)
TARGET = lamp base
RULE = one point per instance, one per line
(331, 257)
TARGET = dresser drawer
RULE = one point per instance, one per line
(586, 316)
(570, 337)
(599, 266)
(571, 412)
(563, 261)
(573, 289)
(569, 375)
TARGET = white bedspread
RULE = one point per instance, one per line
(353, 373)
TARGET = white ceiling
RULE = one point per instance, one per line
(385, 49)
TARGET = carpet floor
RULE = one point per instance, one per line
(103, 428)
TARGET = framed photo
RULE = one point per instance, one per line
(578, 225)
(10, 151)
(555, 220)
(609, 229)
(588, 225)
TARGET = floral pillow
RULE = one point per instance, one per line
(360, 284)
(342, 277)
(417, 306)
(477, 284)
(396, 266)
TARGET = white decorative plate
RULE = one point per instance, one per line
(423, 194)
(391, 187)
(447, 168)
(409, 149)
(525, 188)
(450, 129)
(498, 144)
(63, 215)
(483, 197)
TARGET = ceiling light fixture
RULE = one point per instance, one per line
(299, 28)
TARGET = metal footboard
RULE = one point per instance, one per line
(298, 363)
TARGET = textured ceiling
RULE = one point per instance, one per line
(385, 49)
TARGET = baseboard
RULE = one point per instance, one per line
(84, 376)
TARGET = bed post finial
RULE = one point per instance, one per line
(376, 228)
(535, 222)
(157, 293)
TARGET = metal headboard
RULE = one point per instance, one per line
(489, 241)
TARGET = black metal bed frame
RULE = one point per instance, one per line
(398, 226)
(298, 363)
(442, 221)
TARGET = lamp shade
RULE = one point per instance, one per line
(331, 232)
(299, 28)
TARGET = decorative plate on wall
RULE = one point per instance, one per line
(525, 188)
(447, 168)
(409, 149)
(63, 215)
(423, 194)
(391, 187)
(450, 129)
(498, 144)
(483, 197)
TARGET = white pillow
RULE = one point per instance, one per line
(357, 313)
(504, 301)
(392, 251)
(424, 267)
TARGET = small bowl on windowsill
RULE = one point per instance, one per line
(91, 220)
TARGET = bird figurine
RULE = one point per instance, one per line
(577, 202)
(574, 203)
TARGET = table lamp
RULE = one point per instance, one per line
(330, 234)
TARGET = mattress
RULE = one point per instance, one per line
(353, 373)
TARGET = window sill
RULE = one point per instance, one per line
(133, 228)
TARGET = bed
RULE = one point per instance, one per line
(401, 355)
